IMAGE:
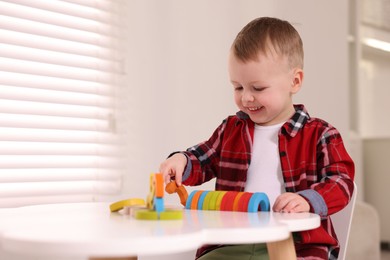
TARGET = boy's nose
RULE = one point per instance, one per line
(247, 97)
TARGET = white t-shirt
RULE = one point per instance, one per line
(265, 172)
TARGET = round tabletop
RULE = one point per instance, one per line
(90, 229)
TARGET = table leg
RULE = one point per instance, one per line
(113, 258)
(282, 250)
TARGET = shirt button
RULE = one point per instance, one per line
(283, 153)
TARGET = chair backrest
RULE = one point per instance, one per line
(342, 224)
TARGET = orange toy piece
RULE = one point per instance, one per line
(159, 182)
(194, 201)
(171, 187)
(180, 190)
(236, 201)
(183, 195)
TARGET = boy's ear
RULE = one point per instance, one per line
(297, 81)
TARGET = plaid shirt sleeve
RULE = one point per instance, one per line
(203, 158)
(335, 167)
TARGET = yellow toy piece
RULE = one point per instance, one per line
(146, 214)
(213, 200)
(116, 206)
(171, 215)
(150, 197)
(206, 201)
(153, 215)
(219, 200)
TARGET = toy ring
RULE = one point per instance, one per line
(116, 206)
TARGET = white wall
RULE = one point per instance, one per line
(374, 94)
(377, 180)
(178, 90)
(375, 130)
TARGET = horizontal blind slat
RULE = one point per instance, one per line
(99, 11)
(52, 122)
(55, 135)
(53, 109)
(54, 31)
(55, 96)
(43, 148)
(57, 161)
(53, 70)
(58, 45)
(12, 202)
(58, 174)
(106, 5)
(35, 83)
(56, 188)
(58, 58)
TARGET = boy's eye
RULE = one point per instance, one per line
(258, 88)
(238, 88)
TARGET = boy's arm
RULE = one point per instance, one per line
(336, 174)
(203, 159)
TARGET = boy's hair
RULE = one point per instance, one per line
(265, 34)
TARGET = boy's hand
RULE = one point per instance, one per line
(174, 167)
(291, 203)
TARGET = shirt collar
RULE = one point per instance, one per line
(297, 121)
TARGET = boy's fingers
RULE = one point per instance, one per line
(166, 173)
(178, 179)
(278, 205)
(167, 178)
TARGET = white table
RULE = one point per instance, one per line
(90, 230)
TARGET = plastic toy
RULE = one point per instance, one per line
(154, 208)
(155, 202)
(126, 203)
(155, 199)
(153, 215)
(220, 200)
(180, 190)
(228, 201)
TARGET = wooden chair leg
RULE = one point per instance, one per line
(282, 250)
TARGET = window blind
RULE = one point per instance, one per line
(59, 69)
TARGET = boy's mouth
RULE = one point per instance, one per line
(253, 109)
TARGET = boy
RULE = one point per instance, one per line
(272, 145)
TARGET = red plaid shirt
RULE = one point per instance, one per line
(314, 162)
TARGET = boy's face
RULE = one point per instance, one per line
(263, 89)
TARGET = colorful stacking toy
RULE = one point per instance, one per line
(155, 202)
(154, 208)
(228, 201)
(220, 200)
